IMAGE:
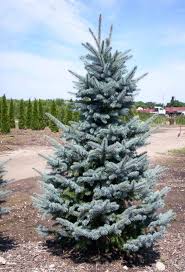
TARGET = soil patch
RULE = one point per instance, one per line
(30, 252)
(25, 137)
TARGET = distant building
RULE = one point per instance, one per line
(156, 110)
(164, 111)
(175, 110)
(160, 110)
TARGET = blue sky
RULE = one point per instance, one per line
(41, 39)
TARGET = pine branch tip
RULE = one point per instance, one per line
(110, 33)
(36, 170)
(99, 28)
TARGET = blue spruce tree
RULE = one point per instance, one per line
(3, 192)
(100, 189)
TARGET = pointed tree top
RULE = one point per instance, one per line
(99, 29)
(110, 33)
(97, 38)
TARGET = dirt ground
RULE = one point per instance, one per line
(22, 148)
(24, 250)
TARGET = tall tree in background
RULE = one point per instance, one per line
(0, 112)
(76, 116)
(12, 114)
(3, 192)
(61, 112)
(175, 103)
(53, 111)
(29, 114)
(68, 116)
(22, 114)
(41, 115)
(5, 122)
(100, 191)
(35, 117)
(47, 108)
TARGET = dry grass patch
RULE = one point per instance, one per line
(177, 152)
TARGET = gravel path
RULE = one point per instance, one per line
(25, 158)
(22, 161)
(164, 139)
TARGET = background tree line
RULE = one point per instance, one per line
(31, 113)
(172, 103)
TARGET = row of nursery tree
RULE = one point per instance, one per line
(31, 114)
(172, 103)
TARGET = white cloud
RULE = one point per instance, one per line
(24, 74)
(60, 17)
(62, 21)
(163, 82)
(27, 75)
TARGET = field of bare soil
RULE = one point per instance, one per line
(24, 250)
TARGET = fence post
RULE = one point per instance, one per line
(16, 123)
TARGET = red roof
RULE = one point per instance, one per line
(168, 110)
(147, 110)
(174, 109)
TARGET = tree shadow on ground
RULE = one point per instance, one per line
(6, 243)
(144, 257)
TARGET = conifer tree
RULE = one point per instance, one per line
(3, 192)
(29, 114)
(76, 116)
(41, 115)
(100, 190)
(62, 112)
(35, 117)
(12, 114)
(21, 114)
(68, 116)
(0, 112)
(53, 111)
(47, 108)
(5, 122)
(65, 115)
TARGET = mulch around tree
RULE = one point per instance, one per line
(24, 250)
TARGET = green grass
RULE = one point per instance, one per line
(161, 119)
(179, 151)
(158, 120)
(180, 120)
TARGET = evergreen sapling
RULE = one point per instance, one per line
(100, 190)
(22, 114)
(3, 192)
(68, 114)
(41, 115)
(35, 117)
(53, 111)
(12, 114)
(29, 114)
(5, 122)
(62, 110)
(0, 111)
